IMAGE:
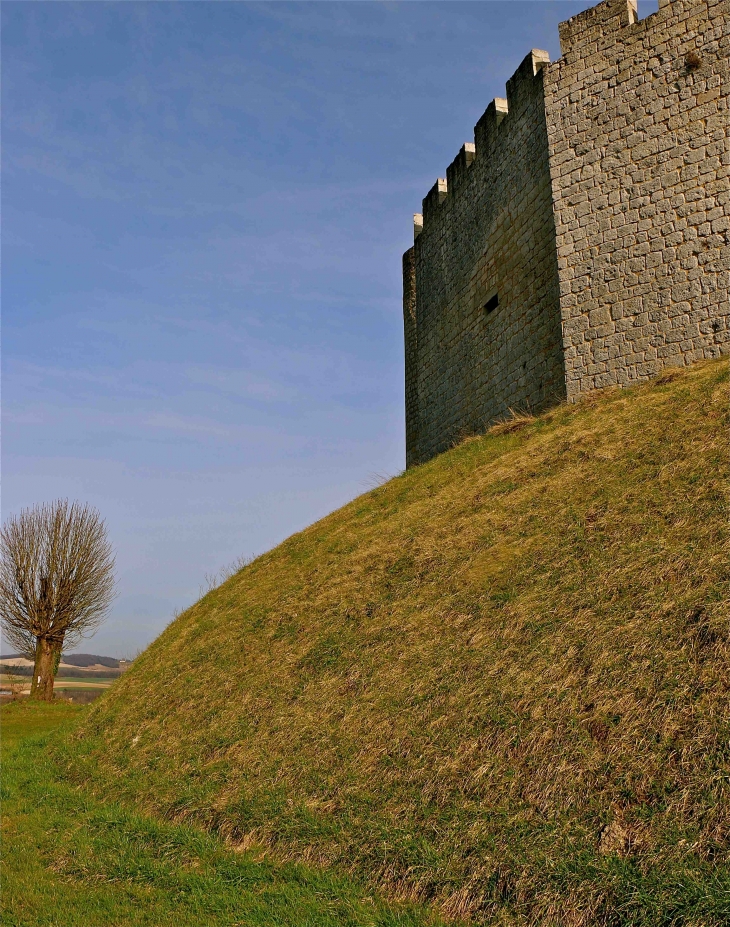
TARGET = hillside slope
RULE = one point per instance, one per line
(498, 682)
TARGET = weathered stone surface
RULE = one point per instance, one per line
(595, 205)
(487, 230)
(639, 139)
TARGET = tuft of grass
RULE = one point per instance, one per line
(497, 684)
(512, 422)
(72, 861)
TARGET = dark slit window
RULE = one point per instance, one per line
(491, 304)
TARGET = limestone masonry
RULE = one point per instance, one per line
(583, 239)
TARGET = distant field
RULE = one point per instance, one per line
(20, 666)
(94, 683)
(71, 861)
(82, 683)
(61, 683)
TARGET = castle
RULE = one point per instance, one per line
(583, 239)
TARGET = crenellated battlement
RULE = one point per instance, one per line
(603, 26)
(524, 76)
(583, 238)
(595, 25)
(487, 133)
(434, 198)
(456, 171)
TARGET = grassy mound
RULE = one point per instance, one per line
(499, 683)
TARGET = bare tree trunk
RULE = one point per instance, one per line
(43, 675)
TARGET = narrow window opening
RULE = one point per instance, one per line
(491, 304)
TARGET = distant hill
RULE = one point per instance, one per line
(77, 665)
(74, 659)
(89, 659)
(498, 683)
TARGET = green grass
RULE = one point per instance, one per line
(71, 683)
(20, 720)
(497, 684)
(86, 680)
(72, 861)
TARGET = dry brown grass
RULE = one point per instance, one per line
(515, 420)
(498, 683)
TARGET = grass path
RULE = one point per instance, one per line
(72, 861)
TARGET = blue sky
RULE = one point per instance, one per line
(204, 211)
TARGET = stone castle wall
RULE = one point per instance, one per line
(488, 231)
(410, 339)
(639, 134)
(594, 206)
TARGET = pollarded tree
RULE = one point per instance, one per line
(56, 582)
